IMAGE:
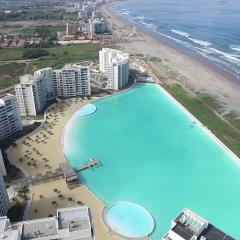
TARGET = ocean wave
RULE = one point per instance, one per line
(149, 25)
(230, 57)
(200, 42)
(235, 47)
(185, 34)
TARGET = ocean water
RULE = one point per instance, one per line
(207, 28)
(154, 155)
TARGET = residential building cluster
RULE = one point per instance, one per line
(90, 22)
(34, 91)
(70, 224)
(115, 65)
(4, 200)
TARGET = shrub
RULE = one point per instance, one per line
(35, 53)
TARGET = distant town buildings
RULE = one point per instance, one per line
(34, 91)
(4, 200)
(189, 226)
(2, 165)
(10, 121)
(97, 26)
(69, 224)
(115, 65)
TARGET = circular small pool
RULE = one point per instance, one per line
(129, 220)
(86, 110)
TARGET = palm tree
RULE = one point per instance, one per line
(70, 199)
(55, 190)
(79, 203)
(54, 203)
(35, 210)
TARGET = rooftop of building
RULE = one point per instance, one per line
(74, 219)
(29, 79)
(76, 65)
(5, 98)
(189, 224)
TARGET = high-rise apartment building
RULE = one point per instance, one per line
(4, 200)
(115, 65)
(10, 121)
(31, 94)
(34, 91)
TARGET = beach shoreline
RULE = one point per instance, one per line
(200, 73)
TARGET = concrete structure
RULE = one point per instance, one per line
(189, 226)
(69, 224)
(2, 165)
(115, 65)
(10, 121)
(71, 28)
(72, 80)
(4, 200)
(31, 94)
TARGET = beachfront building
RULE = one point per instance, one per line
(2, 165)
(69, 224)
(4, 200)
(10, 121)
(72, 80)
(34, 91)
(31, 94)
(115, 65)
(190, 226)
(47, 75)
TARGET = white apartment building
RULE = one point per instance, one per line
(115, 65)
(47, 74)
(69, 224)
(34, 91)
(10, 121)
(31, 94)
(72, 80)
(4, 200)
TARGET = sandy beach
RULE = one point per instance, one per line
(39, 153)
(195, 73)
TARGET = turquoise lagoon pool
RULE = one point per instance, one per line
(154, 155)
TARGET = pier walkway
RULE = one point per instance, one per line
(64, 171)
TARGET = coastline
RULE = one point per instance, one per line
(201, 74)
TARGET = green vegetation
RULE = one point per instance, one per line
(32, 11)
(9, 73)
(43, 31)
(34, 53)
(199, 108)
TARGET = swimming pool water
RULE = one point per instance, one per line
(153, 154)
(129, 220)
(85, 110)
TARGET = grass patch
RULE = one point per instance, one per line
(9, 74)
(233, 118)
(211, 101)
(207, 116)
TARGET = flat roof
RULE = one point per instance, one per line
(44, 227)
(183, 231)
(213, 233)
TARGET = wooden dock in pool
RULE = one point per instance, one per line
(93, 162)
